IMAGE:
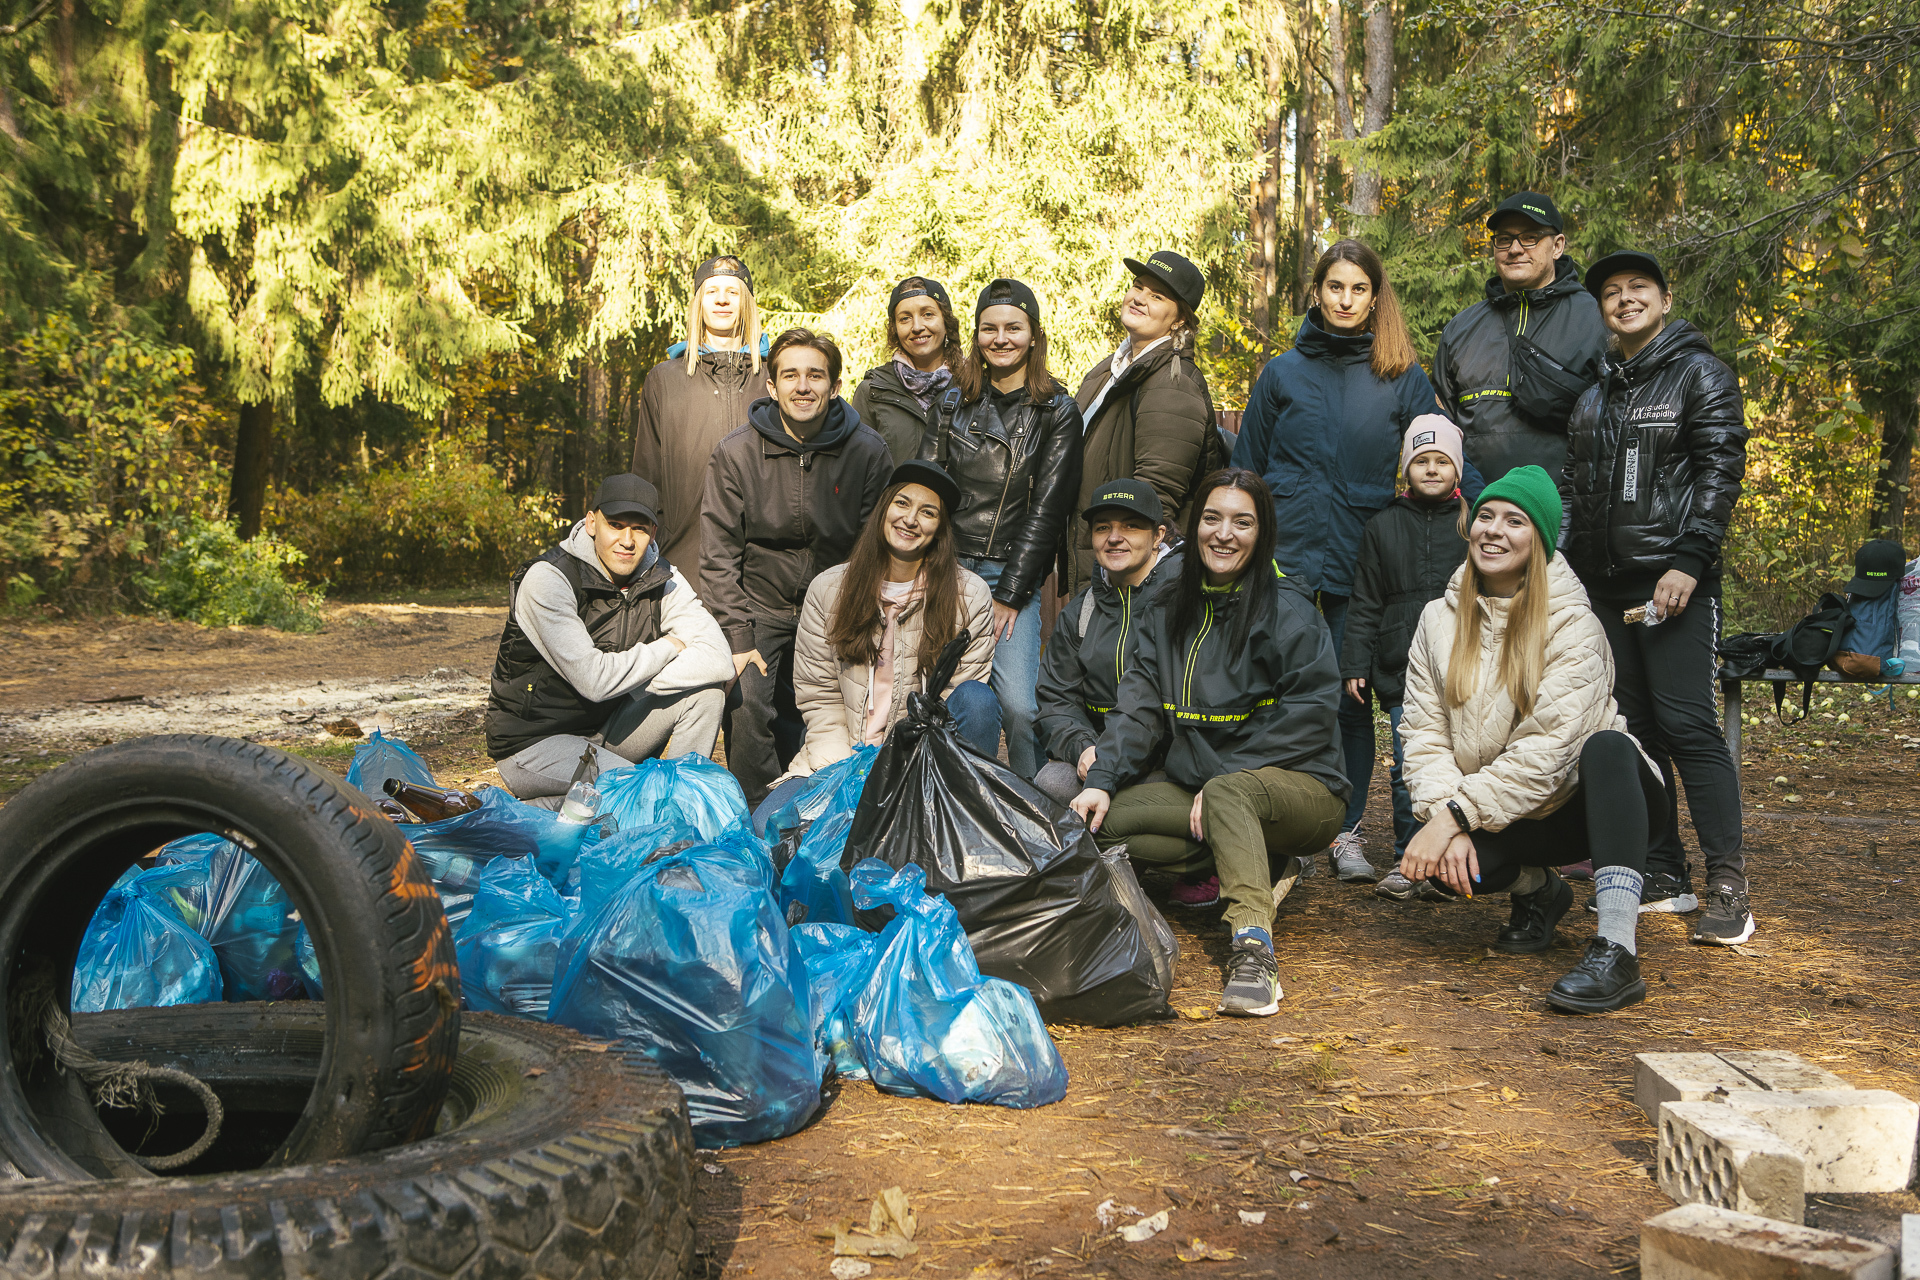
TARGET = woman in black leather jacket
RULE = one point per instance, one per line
(1009, 435)
(1656, 454)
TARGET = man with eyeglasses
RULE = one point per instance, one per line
(1509, 368)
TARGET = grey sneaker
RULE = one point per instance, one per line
(1253, 982)
(1396, 887)
(1350, 863)
(1728, 920)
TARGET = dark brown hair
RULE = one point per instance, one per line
(1393, 352)
(972, 373)
(854, 630)
(1257, 582)
(951, 352)
(820, 342)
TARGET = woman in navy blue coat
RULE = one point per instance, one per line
(1323, 428)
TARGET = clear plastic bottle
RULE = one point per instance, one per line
(583, 797)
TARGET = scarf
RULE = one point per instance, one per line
(922, 384)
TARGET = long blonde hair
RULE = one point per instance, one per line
(748, 325)
(1523, 649)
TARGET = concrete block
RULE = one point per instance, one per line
(1781, 1071)
(1910, 1246)
(1660, 1078)
(1849, 1139)
(1712, 1154)
(1699, 1242)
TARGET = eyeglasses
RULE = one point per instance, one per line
(1525, 239)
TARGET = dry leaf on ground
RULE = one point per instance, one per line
(1199, 1250)
(1146, 1228)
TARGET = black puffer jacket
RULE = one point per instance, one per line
(1408, 553)
(884, 403)
(1659, 449)
(1228, 703)
(1018, 467)
(1474, 374)
(1080, 673)
(778, 513)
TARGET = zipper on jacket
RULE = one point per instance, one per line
(1193, 654)
(1120, 649)
(1005, 487)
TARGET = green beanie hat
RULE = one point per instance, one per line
(1532, 490)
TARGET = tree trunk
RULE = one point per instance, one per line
(1378, 109)
(1263, 229)
(1306, 166)
(1342, 85)
(252, 449)
(1900, 415)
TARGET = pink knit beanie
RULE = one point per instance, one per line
(1432, 431)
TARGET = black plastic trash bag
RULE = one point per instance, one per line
(1040, 904)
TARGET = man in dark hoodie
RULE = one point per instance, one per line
(786, 496)
(1508, 369)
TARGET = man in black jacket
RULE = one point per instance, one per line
(1509, 368)
(1658, 451)
(786, 496)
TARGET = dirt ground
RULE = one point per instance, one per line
(1413, 1108)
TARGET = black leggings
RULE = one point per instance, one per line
(1619, 808)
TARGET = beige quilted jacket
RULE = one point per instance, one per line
(832, 695)
(1497, 766)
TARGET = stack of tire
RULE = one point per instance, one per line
(376, 1135)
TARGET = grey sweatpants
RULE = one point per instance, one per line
(646, 727)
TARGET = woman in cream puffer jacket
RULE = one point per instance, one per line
(1509, 787)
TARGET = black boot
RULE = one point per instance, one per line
(1607, 977)
(1530, 924)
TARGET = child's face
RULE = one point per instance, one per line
(1432, 475)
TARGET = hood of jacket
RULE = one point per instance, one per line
(1316, 342)
(1166, 566)
(679, 348)
(653, 567)
(1566, 280)
(841, 423)
(1677, 339)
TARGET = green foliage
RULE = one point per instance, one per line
(436, 522)
(205, 573)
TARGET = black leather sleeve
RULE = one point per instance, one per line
(1056, 482)
(1716, 428)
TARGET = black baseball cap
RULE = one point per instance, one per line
(1624, 260)
(1012, 293)
(1180, 276)
(930, 474)
(625, 496)
(1530, 204)
(1876, 567)
(917, 287)
(1136, 496)
(724, 265)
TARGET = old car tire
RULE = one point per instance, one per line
(554, 1161)
(386, 953)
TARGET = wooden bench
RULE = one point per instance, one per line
(1730, 695)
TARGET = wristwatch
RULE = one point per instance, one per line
(1459, 816)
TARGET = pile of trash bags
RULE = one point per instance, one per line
(914, 916)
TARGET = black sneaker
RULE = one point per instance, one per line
(1607, 977)
(1530, 923)
(1396, 887)
(1670, 893)
(1253, 981)
(1728, 920)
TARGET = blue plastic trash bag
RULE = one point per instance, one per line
(509, 943)
(928, 1023)
(455, 849)
(309, 963)
(605, 867)
(138, 953)
(380, 758)
(832, 789)
(813, 878)
(839, 960)
(690, 788)
(693, 964)
(242, 910)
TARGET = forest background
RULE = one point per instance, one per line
(363, 293)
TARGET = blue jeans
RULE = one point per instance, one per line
(1403, 821)
(1356, 718)
(976, 722)
(1016, 676)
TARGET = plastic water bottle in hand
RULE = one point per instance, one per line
(583, 797)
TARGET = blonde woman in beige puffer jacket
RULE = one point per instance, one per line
(1517, 759)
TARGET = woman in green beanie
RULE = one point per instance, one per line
(1516, 757)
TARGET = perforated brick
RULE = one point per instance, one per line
(1712, 1154)
(1699, 1242)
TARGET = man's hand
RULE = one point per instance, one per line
(1086, 762)
(740, 661)
(1003, 619)
(1673, 591)
(1441, 848)
(1357, 690)
(1092, 805)
(1193, 818)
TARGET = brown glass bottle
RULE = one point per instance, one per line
(394, 809)
(432, 804)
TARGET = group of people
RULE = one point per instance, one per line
(1181, 643)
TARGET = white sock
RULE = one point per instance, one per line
(1616, 896)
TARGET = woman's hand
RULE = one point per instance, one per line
(740, 661)
(1673, 591)
(1442, 849)
(1193, 819)
(1086, 762)
(1092, 805)
(1357, 690)
(1004, 616)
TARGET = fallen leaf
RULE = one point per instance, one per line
(713, 1168)
(888, 1233)
(344, 728)
(850, 1269)
(891, 1215)
(1146, 1228)
(1198, 1012)
(531, 1072)
(1252, 1219)
(1199, 1250)
(1509, 1095)
(1298, 1175)
(589, 1048)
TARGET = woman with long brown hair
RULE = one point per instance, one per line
(1517, 758)
(1323, 428)
(926, 341)
(872, 628)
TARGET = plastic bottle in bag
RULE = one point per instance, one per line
(583, 797)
